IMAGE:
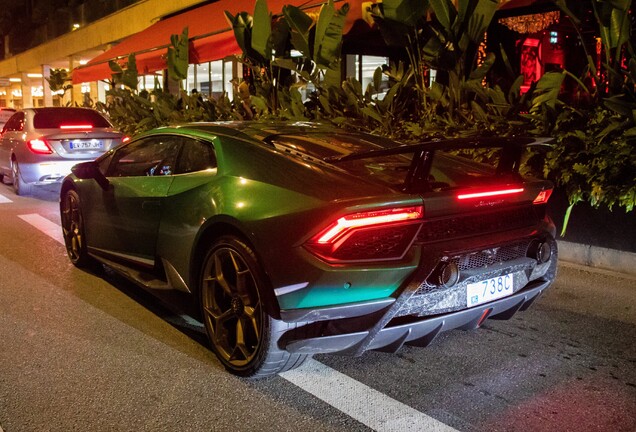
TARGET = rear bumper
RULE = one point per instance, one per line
(420, 332)
(46, 172)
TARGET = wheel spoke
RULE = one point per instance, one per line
(243, 278)
(219, 276)
(240, 350)
(251, 318)
(219, 318)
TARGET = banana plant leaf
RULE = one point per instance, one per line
(407, 12)
(328, 36)
(241, 25)
(178, 56)
(480, 19)
(262, 30)
(300, 24)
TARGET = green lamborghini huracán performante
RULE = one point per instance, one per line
(291, 239)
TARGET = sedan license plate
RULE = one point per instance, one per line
(489, 289)
(85, 144)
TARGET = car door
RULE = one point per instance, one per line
(189, 203)
(8, 140)
(123, 221)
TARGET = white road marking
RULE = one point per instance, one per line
(359, 401)
(49, 228)
(4, 200)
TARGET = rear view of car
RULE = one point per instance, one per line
(40, 145)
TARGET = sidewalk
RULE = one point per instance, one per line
(598, 257)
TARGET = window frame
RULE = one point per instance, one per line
(116, 156)
(206, 143)
(14, 118)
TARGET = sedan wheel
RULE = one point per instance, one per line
(242, 332)
(73, 229)
(19, 186)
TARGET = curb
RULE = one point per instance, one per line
(598, 257)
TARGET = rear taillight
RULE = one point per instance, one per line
(125, 139)
(490, 193)
(373, 235)
(543, 197)
(39, 146)
(77, 126)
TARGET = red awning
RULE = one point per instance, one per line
(211, 37)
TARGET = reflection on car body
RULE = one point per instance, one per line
(288, 240)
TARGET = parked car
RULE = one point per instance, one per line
(40, 145)
(288, 240)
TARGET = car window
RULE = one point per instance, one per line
(15, 123)
(196, 156)
(152, 156)
(54, 118)
(5, 114)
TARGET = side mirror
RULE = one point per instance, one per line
(90, 170)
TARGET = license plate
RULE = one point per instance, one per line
(489, 289)
(85, 144)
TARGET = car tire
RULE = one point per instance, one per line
(238, 320)
(19, 185)
(73, 230)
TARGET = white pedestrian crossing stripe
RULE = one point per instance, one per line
(4, 200)
(359, 401)
(49, 228)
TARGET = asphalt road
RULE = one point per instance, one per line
(91, 352)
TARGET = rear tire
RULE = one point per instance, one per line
(19, 186)
(73, 230)
(240, 328)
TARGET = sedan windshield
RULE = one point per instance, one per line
(55, 118)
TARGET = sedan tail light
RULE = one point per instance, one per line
(368, 236)
(76, 126)
(39, 146)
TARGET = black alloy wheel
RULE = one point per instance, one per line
(73, 229)
(232, 306)
(242, 332)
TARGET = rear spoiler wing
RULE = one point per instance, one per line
(423, 153)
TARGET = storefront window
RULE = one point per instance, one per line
(210, 79)
(362, 68)
(228, 74)
(147, 82)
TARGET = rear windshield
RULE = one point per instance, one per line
(54, 118)
(447, 171)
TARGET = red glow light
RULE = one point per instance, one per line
(366, 219)
(493, 193)
(125, 139)
(79, 126)
(39, 146)
(543, 197)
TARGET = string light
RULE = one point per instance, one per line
(531, 23)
